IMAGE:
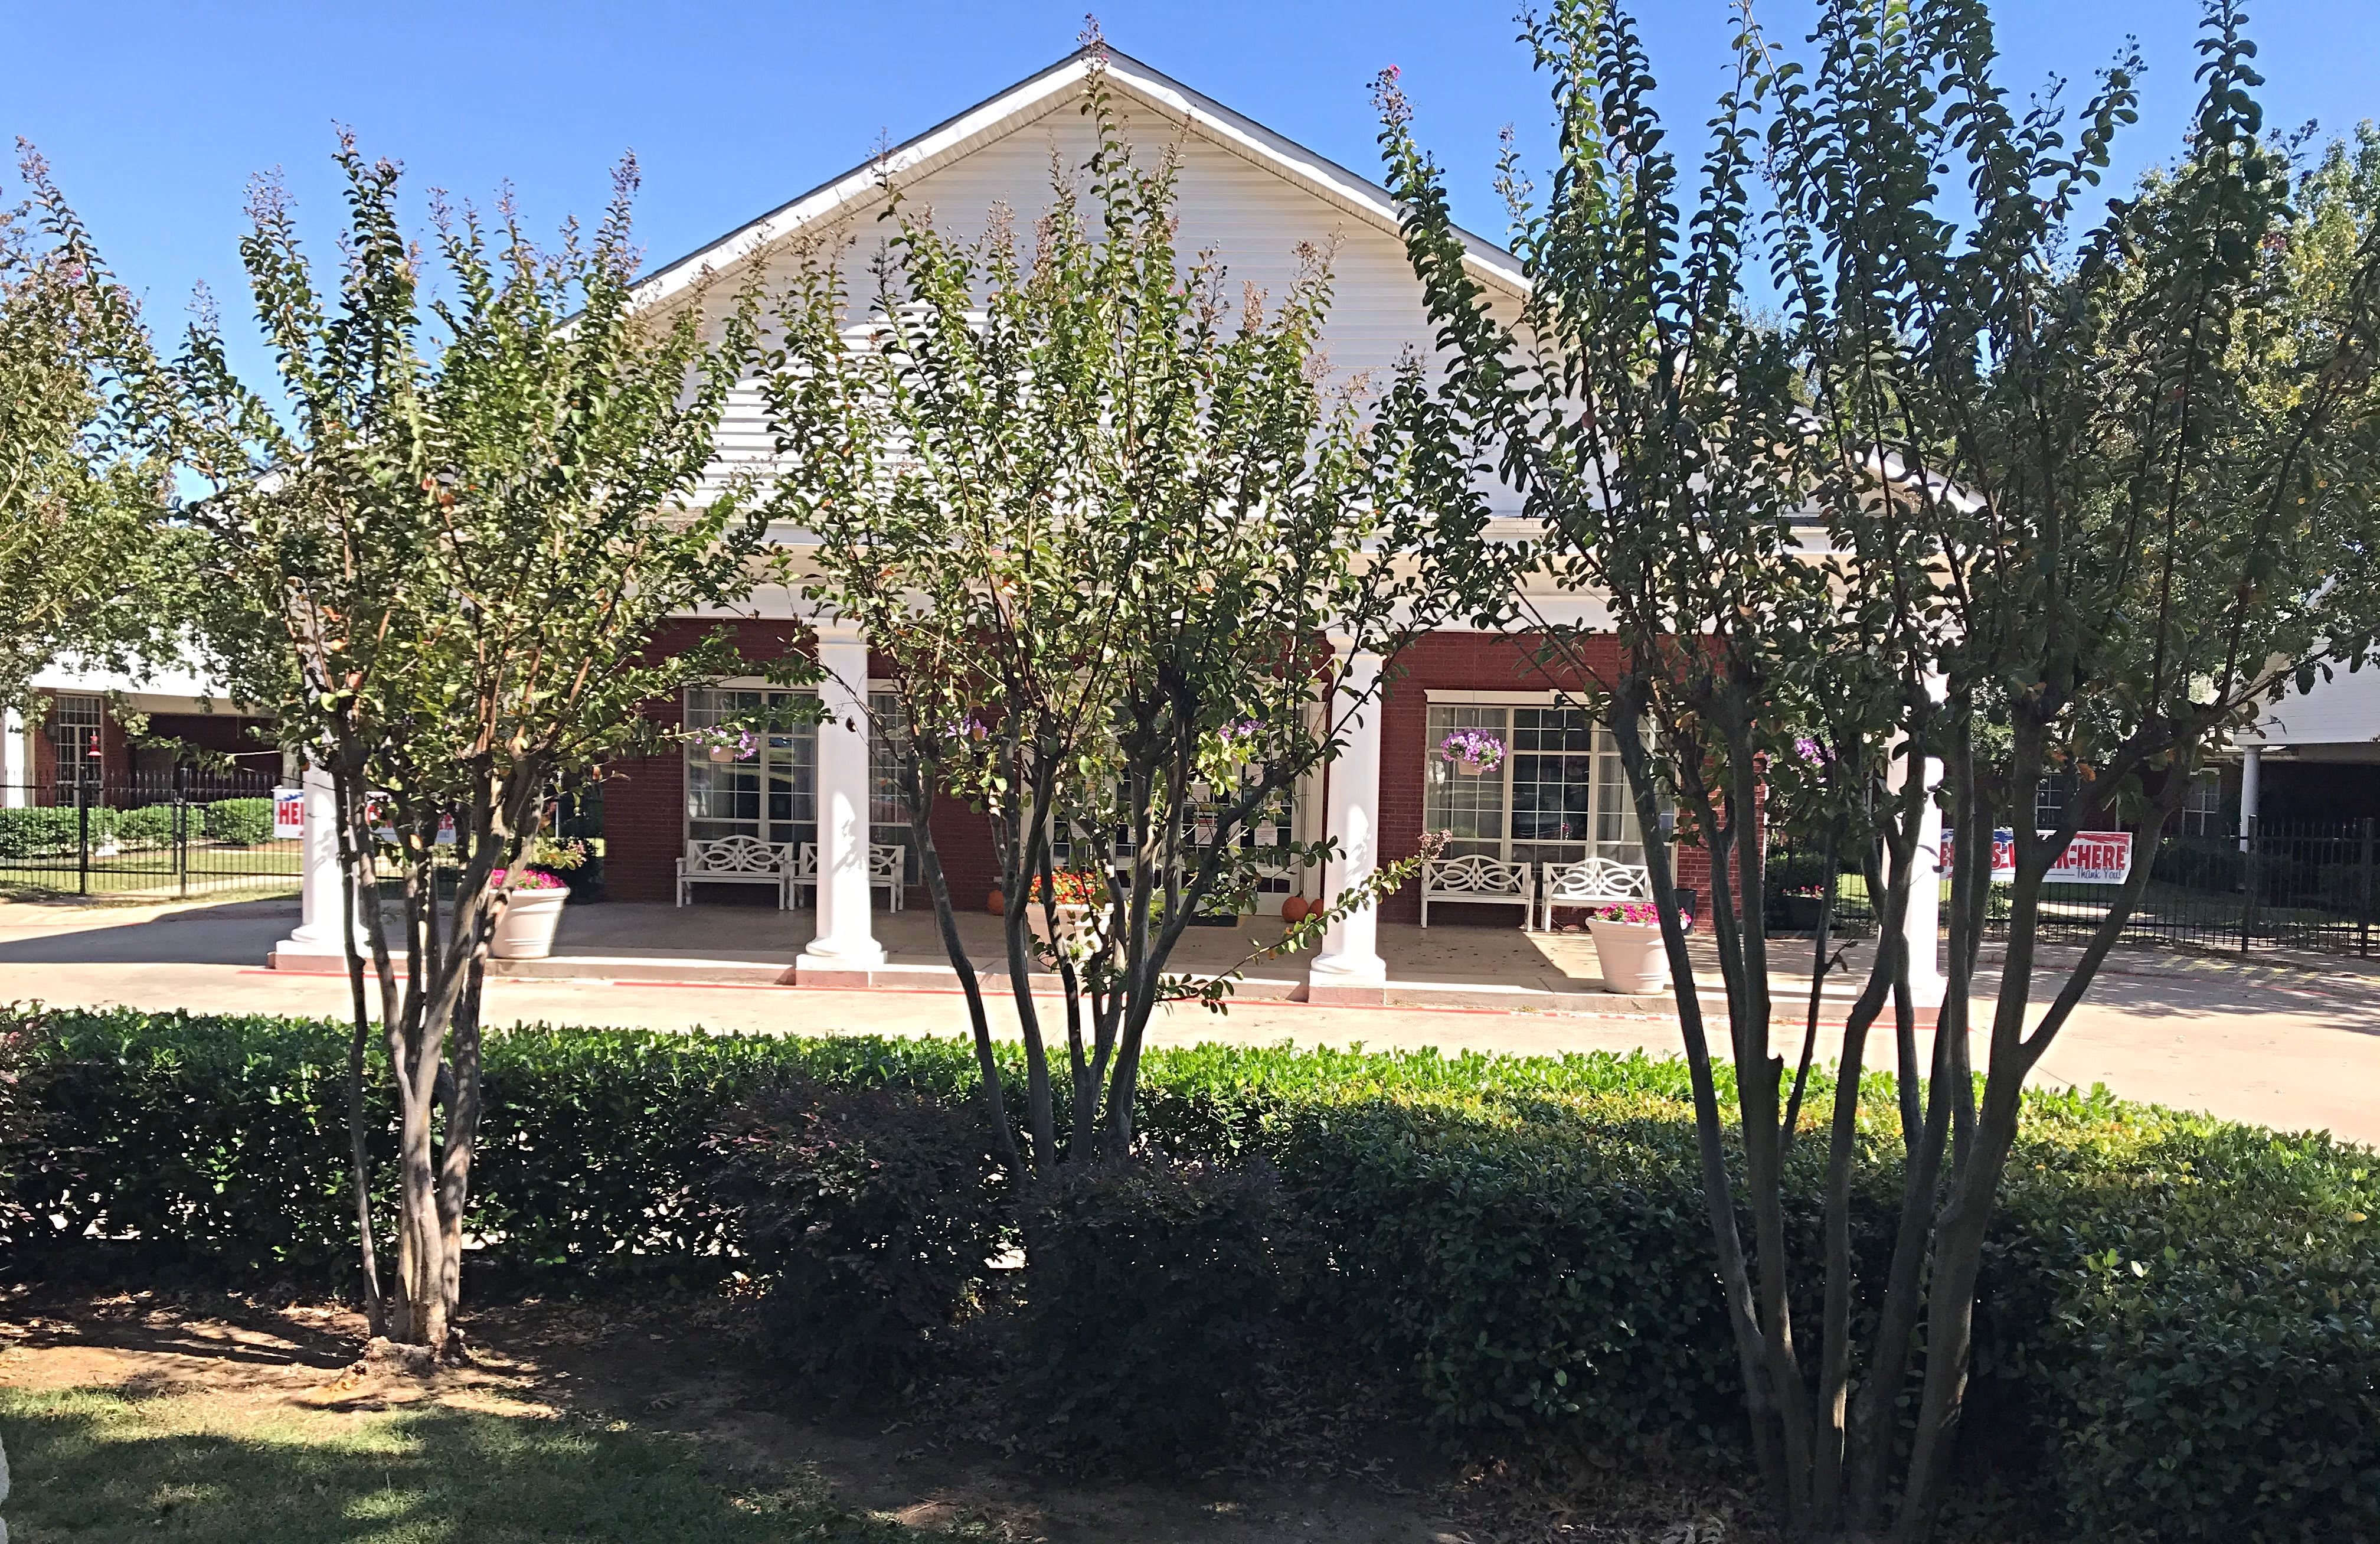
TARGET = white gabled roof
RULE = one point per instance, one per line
(1024, 103)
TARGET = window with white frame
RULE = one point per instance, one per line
(75, 724)
(773, 794)
(2201, 807)
(1559, 795)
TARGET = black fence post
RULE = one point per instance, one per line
(2252, 848)
(2363, 911)
(181, 831)
(82, 835)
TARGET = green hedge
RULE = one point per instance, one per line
(238, 822)
(51, 832)
(2178, 1318)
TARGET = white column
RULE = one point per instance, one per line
(1922, 925)
(846, 944)
(322, 907)
(2251, 781)
(1350, 957)
(16, 764)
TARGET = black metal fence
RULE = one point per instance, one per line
(154, 838)
(2312, 886)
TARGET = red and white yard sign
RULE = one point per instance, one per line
(2093, 858)
(288, 814)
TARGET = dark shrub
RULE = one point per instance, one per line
(238, 822)
(1150, 1296)
(870, 1213)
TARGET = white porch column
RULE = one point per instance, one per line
(846, 951)
(1349, 967)
(320, 908)
(1922, 926)
(16, 764)
(2251, 781)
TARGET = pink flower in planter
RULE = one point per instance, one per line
(530, 879)
(1643, 914)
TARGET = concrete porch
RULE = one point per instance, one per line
(1448, 965)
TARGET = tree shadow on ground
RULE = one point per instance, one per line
(94, 1465)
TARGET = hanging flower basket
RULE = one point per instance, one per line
(725, 743)
(1473, 752)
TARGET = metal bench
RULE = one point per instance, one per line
(1592, 881)
(736, 860)
(1478, 879)
(887, 870)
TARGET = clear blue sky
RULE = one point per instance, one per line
(155, 116)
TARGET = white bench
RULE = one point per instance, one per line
(887, 870)
(1592, 881)
(736, 860)
(1478, 879)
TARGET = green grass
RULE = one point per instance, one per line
(94, 1465)
(213, 870)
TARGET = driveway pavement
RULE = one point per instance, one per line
(2289, 1044)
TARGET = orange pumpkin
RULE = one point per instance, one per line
(996, 902)
(1293, 910)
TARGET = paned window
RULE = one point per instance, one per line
(774, 794)
(2202, 809)
(1558, 796)
(75, 722)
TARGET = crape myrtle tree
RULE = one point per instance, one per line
(1659, 433)
(2135, 451)
(2071, 504)
(441, 559)
(1105, 529)
(88, 561)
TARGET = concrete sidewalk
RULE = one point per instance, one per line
(2278, 1043)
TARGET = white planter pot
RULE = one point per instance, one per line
(525, 932)
(1631, 956)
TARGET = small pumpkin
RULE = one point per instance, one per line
(1293, 910)
(996, 902)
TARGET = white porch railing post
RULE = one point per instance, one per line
(1921, 925)
(846, 951)
(321, 907)
(16, 771)
(1349, 964)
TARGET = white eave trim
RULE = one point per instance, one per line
(1028, 100)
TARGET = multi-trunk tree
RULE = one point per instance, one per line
(441, 559)
(1124, 550)
(1880, 453)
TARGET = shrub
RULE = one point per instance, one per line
(150, 825)
(1150, 1292)
(50, 832)
(2175, 1327)
(238, 822)
(870, 1213)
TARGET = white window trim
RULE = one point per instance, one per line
(1503, 699)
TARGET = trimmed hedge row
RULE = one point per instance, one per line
(56, 831)
(2178, 1318)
